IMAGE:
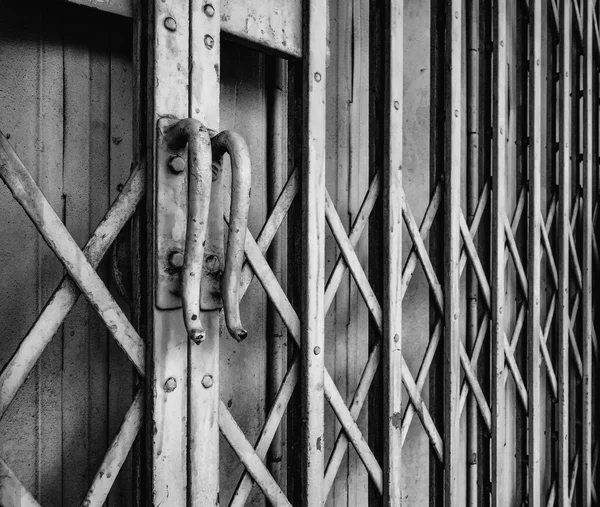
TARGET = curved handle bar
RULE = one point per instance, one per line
(241, 175)
(196, 136)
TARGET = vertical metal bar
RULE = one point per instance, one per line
(203, 360)
(500, 83)
(313, 211)
(452, 253)
(472, 200)
(392, 293)
(168, 77)
(563, 251)
(277, 156)
(588, 168)
(534, 254)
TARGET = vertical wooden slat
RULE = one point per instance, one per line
(563, 251)
(586, 308)
(534, 254)
(472, 199)
(392, 293)
(203, 427)
(500, 81)
(168, 77)
(452, 212)
(313, 211)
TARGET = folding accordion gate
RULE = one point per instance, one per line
(506, 386)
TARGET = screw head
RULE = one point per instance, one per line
(170, 385)
(317, 350)
(176, 260)
(177, 165)
(207, 381)
(170, 24)
(209, 42)
(209, 10)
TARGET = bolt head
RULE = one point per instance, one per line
(209, 42)
(212, 263)
(209, 10)
(176, 260)
(177, 165)
(207, 381)
(170, 385)
(170, 24)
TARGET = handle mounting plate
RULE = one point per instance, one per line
(170, 227)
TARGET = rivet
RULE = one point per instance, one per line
(176, 259)
(209, 10)
(170, 385)
(177, 165)
(212, 263)
(456, 14)
(317, 77)
(170, 24)
(207, 381)
(317, 350)
(456, 113)
(209, 42)
(396, 338)
(396, 105)
(456, 316)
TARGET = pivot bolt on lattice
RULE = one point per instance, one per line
(177, 165)
(176, 259)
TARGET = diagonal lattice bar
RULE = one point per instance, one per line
(54, 232)
(12, 491)
(117, 453)
(66, 294)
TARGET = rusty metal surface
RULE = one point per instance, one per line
(274, 24)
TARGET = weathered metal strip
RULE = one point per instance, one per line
(167, 384)
(564, 228)
(313, 287)
(272, 24)
(203, 359)
(393, 198)
(500, 85)
(452, 340)
(589, 167)
(116, 455)
(534, 256)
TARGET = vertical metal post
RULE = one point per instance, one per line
(313, 212)
(392, 216)
(588, 168)
(168, 78)
(203, 426)
(472, 200)
(564, 225)
(452, 212)
(500, 84)
(534, 254)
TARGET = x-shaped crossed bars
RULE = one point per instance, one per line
(82, 277)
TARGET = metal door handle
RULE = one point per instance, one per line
(195, 135)
(241, 177)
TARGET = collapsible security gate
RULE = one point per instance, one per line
(507, 246)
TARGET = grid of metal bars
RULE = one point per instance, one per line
(543, 220)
